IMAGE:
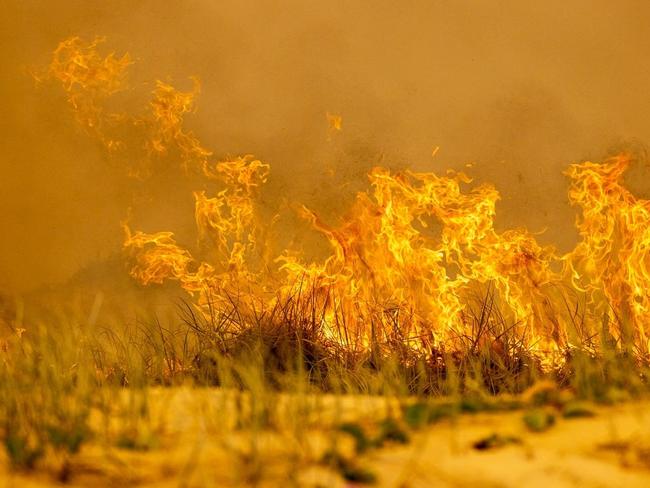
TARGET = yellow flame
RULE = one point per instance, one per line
(88, 80)
(405, 259)
(335, 121)
(612, 260)
(168, 107)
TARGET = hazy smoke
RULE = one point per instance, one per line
(520, 90)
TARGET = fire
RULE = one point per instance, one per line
(612, 261)
(335, 121)
(406, 258)
(165, 125)
(392, 276)
(226, 225)
(89, 79)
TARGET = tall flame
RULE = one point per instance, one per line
(407, 256)
(612, 260)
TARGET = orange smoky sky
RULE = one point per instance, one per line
(510, 92)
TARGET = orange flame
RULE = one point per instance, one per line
(612, 261)
(89, 79)
(407, 255)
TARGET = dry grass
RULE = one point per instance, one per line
(263, 388)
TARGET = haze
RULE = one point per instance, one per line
(520, 89)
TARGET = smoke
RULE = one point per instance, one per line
(518, 89)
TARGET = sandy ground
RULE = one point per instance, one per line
(190, 442)
(606, 450)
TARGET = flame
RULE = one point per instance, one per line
(406, 258)
(384, 262)
(226, 223)
(612, 260)
(386, 278)
(165, 126)
(335, 121)
(88, 80)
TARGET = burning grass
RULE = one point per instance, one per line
(420, 304)
(405, 263)
(96, 403)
